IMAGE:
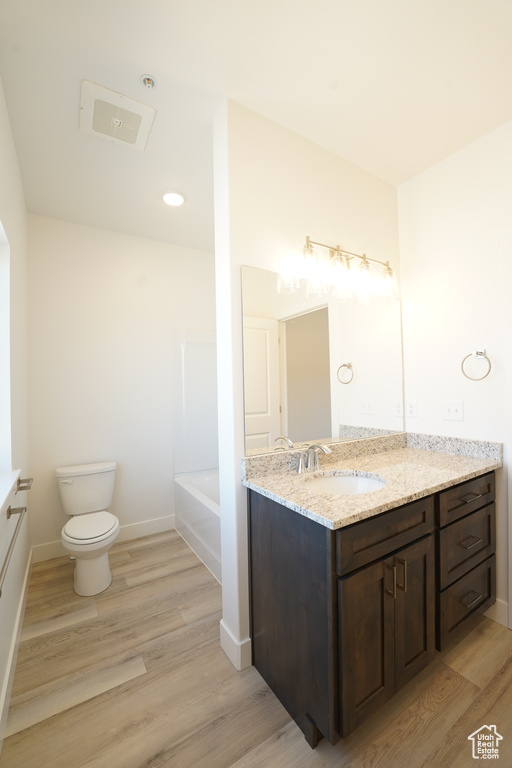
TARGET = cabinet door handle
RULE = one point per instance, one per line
(471, 602)
(470, 542)
(471, 497)
(389, 591)
(403, 563)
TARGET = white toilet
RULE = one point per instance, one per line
(86, 493)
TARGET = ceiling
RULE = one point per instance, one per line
(392, 86)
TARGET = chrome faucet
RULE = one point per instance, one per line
(314, 455)
(309, 460)
(286, 439)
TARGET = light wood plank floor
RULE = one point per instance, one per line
(135, 678)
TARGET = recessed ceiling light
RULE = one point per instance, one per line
(174, 198)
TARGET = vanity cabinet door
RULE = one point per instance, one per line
(415, 630)
(366, 642)
(386, 629)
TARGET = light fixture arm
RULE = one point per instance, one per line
(337, 251)
(336, 276)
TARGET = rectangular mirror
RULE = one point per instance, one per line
(318, 368)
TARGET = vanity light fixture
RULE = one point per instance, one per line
(343, 274)
(174, 198)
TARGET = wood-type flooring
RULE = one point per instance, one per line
(135, 678)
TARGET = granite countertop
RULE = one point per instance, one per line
(410, 473)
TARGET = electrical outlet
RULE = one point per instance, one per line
(367, 407)
(453, 410)
(410, 410)
(398, 409)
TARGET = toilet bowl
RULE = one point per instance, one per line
(86, 491)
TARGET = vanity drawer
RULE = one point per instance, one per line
(466, 543)
(471, 594)
(371, 539)
(462, 499)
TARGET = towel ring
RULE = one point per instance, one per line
(351, 370)
(477, 353)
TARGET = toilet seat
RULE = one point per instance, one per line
(89, 528)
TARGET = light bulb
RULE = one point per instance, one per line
(387, 284)
(312, 272)
(174, 198)
(288, 280)
(309, 263)
(339, 275)
(363, 280)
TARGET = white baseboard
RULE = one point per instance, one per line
(146, 528)
(47, 551)
(239, 653)
(53, 549)
(499, 612)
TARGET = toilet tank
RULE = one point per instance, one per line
(86, 487)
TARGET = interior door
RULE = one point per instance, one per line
(261, 382)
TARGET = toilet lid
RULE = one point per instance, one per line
(90, 526)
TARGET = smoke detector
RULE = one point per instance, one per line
(112, 116)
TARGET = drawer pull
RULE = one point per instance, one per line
(471, 602)
(469, 497)
(404, 564)
(388, 591)
(470, 542)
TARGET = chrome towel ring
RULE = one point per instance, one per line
(350, 372)
(478, 353)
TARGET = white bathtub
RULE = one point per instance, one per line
(197, 511)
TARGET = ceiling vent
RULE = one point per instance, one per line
(115, 117)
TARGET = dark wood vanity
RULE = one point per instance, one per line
(342, 619)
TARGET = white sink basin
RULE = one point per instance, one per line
(343, 484)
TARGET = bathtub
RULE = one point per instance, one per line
(197, 513)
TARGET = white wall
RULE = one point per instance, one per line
(5, 352)
(308, 376)
(104, 310)
(272, 188)
(14, 221)
(456, 273)
(369, 336)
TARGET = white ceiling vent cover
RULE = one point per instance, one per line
(115, 117)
